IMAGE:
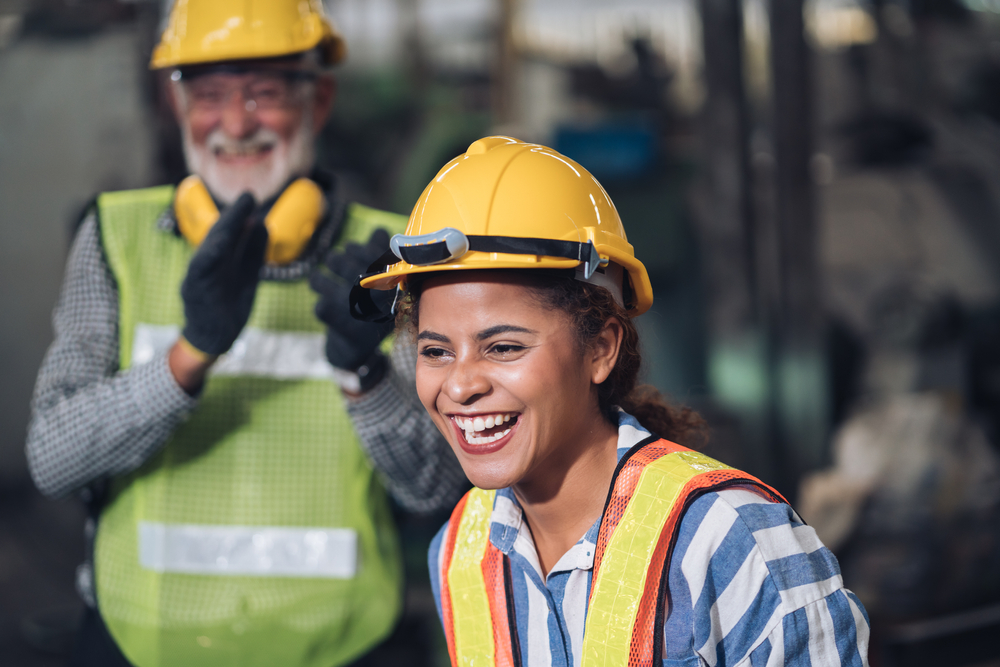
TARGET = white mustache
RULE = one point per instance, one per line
(263, 178)
(219, 143)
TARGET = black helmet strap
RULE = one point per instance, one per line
(363, 307)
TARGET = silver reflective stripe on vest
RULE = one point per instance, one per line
(285, 355)
(260, 551)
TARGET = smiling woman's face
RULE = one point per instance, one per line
(504, 378)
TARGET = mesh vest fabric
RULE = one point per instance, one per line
(258, 451)
(653, 486)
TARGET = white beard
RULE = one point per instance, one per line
(227, 182)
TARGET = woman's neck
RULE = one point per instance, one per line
(570, 497)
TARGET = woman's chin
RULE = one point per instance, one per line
(489, 477)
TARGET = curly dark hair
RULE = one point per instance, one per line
(589, 308)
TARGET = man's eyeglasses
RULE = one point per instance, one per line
(264, 91)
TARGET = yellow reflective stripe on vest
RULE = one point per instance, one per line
(470, 607)
(618, 587)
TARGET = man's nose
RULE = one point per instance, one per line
(239, 117)
(466, 382)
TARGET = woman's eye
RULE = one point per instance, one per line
(507, 349)
(433, 352)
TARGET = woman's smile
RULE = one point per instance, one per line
(504, 378)
(484, 435)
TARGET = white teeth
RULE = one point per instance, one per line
(484, 440)
(488, 422)
(473, 425)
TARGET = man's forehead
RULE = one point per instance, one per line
(297, 64)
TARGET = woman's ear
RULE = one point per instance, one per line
(604, 350)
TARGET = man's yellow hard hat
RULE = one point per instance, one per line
(208, 31)
(506, 204)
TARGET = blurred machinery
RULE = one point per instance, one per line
(814, 187)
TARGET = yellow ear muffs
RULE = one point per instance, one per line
(195, 210)
(290, 223)
(293, 219)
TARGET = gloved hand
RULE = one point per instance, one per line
(349, 342)
(221, 281)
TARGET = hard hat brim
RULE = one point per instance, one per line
(397, 273)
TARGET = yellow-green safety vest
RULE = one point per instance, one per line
(259, 534)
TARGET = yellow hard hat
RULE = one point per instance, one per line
(207, 31)
(506, 204)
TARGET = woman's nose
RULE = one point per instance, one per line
(466, 382)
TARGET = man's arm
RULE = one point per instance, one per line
(413, 458)
(89, 420)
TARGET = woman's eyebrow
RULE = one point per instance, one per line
(430, 335)
(502, 329)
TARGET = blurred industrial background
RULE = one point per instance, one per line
(814, 186)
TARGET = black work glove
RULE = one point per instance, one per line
(221, 281)
(349, 342)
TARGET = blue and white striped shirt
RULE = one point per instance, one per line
(750, 585)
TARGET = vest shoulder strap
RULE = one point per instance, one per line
(360, 221)
(126, 221)
(655, 483)
(124, 206)
(476, 588)
(123, 218)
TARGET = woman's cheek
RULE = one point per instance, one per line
(427, 388)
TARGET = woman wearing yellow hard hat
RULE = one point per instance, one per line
(591, 537)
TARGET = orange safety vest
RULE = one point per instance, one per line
(654, 484)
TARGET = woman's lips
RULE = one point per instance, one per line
(484, 448)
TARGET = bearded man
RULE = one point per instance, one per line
(200, 391)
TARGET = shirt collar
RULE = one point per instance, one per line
(507, 520)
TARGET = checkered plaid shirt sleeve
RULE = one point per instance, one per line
(90, 420)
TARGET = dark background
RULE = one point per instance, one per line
(813, 187)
